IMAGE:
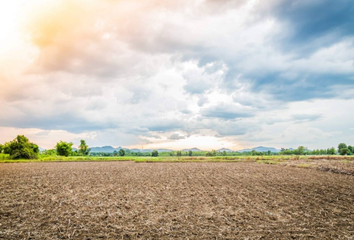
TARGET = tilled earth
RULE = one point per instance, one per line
(127, 200)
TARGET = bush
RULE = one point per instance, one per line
(121, 152)
(21, 148)
(155, 153)
(64, 148)
(344, 151)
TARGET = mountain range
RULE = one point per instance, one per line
(260, 149)
(110, 149)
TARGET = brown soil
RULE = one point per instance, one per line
(334, 166)
(126, 200)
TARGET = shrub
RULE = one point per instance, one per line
(21, 148)
(121, 152)
(344, 151)
(64, 148)
(155, 153)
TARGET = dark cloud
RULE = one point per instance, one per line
(303, 87)
(306, 117)
(60, 121)
(226, 111)
(176, 136)
(313, 24)
(165, 125)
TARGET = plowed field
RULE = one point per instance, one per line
(127, 200)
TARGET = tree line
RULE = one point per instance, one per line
(22, 148)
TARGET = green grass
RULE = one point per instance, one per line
(259, 159)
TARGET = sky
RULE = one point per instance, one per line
(178, 74)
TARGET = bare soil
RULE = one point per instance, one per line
(126, 200)
(334, 166)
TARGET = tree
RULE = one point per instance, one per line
(213, 153)
(7, 148)
(1, 148)
(351, 149)
(301, 150)
(179, 153)
(155, 153)
(83, 148)
(121, 152)
(64, 148)
(344, 151)
(21, 148)
(341, 146)
(190, 153)
(331, 151)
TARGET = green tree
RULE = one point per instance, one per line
(341, 146)
(344, 151)
(1, 148)
(179, 153)
(155, 153)
(83, 148)
(213, 153)
(64, 148)
(190, 153)
(21, 148)
(351, 149)
(121, 152)
(301, 150)
(331, 151)
(7, 148)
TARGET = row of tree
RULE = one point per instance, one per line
(345, 149)
(22, 148)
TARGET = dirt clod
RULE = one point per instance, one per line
(125, 200)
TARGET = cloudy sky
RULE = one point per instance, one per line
(178, 73)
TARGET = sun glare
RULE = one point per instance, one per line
(14, 15)
(9, 14)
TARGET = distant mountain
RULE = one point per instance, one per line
(225, 149)
(110, 149)
(192, 149)
(104, 149)
(260, 149)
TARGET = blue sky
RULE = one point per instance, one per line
(178, 74)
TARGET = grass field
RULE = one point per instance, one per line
(124, 200)
(4, 158)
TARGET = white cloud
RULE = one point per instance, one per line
(131, 72)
